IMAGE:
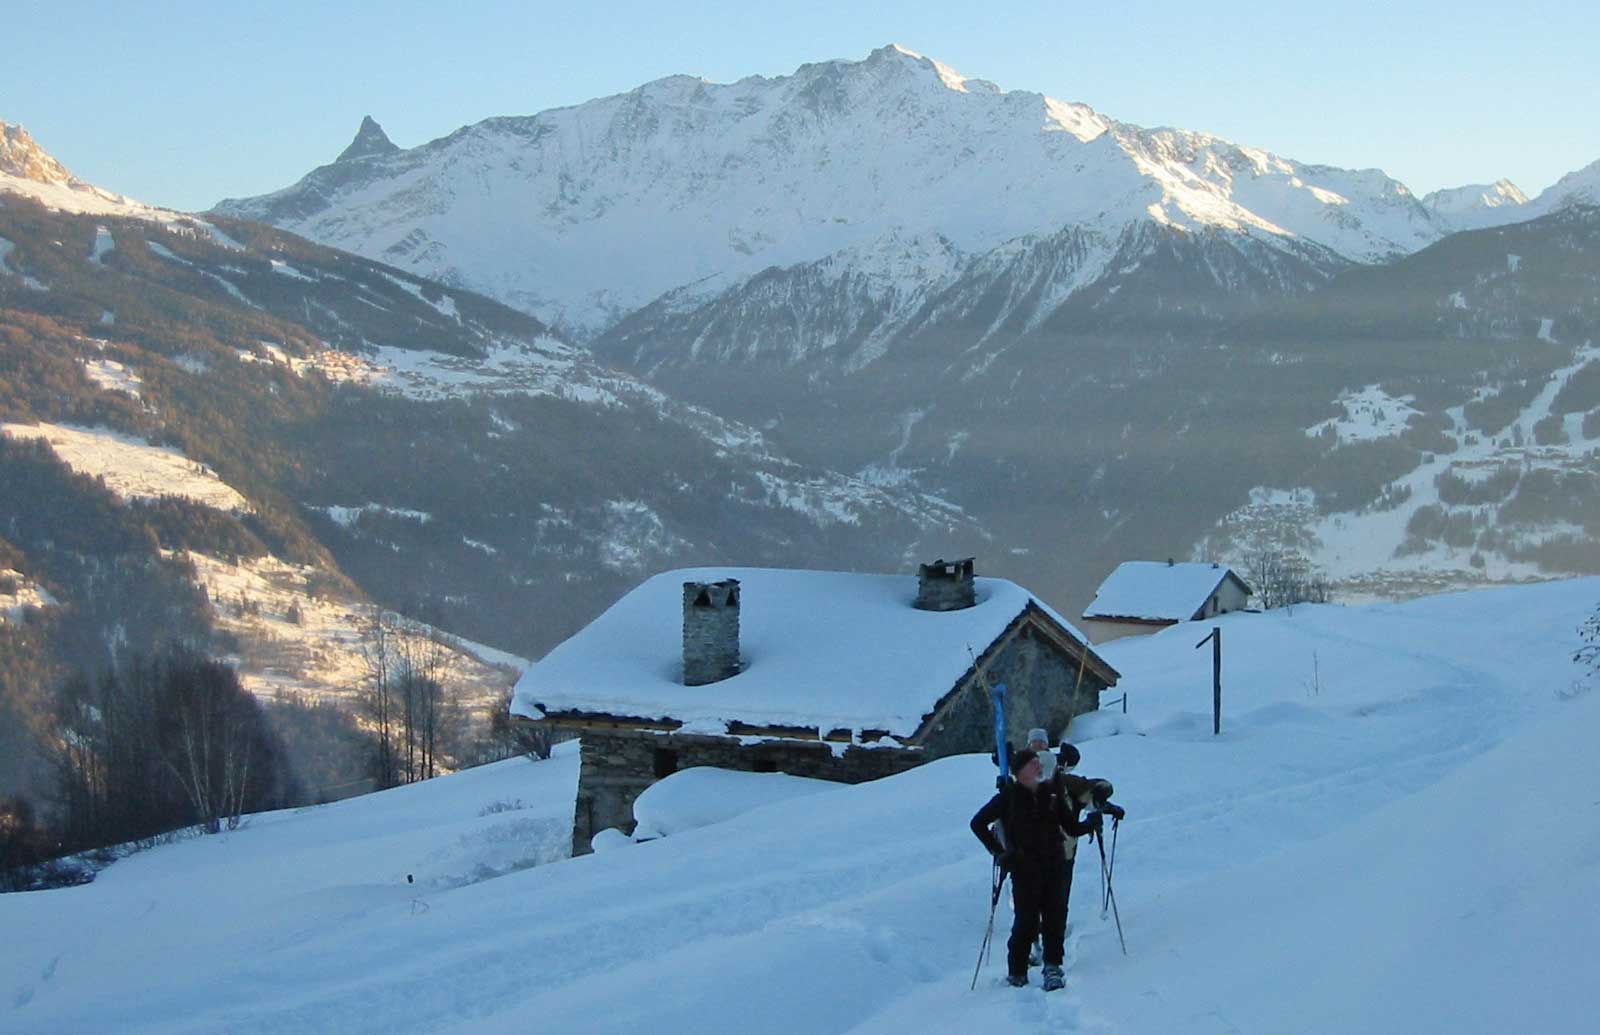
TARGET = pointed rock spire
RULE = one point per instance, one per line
(20, 156)
(370, 141)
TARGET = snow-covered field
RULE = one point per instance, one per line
(1397, 831)
(133, 468)
(18, 593)
(298, 639)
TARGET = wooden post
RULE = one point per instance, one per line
(1215, 638)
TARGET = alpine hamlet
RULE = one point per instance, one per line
(832, 675)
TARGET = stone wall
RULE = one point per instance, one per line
(945, 586)
(710, 631)
(616, 766)
(1040, 682)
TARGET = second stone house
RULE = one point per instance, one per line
(1142, 597)
(824, 674)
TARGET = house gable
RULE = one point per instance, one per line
(1050, 677)
(1159, 593)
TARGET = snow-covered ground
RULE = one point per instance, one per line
(1397, 831)
(18, 593)
(296, 638)
(1368, 415)
(113, 376)
(132, 468)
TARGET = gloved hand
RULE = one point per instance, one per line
(1096, 822)
(1117, 812)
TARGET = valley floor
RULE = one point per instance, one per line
(1398, 830)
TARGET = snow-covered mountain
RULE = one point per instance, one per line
(1581, 187)
(1477, 205)
(1503, 202)
(373, 414)
(581, 215)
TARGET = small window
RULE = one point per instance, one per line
(766, 765)
(666, 762)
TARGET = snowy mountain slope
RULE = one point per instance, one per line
(339, 397)
(1480, 461)
(1477, 205)
(583, 214)
(1581, 187)
(131, 467)
(842, 314)
(1335, 861)
(1502, 202)
(1095, 338)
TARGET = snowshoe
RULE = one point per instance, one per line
(1053, 978)
(1017, 980)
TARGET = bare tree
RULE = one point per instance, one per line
(163, 743)
(214, 739)
(379, 646)
(1282, 578)
(509, 736)
(410, 670)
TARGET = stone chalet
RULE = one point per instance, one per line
(825, 674)
(1147, 596)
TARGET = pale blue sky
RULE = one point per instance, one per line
(182, 103)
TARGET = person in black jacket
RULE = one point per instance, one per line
(1079, 794)
(1033, 816)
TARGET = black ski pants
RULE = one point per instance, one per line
(1039, 903)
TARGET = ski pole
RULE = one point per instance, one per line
(1111, 868)
(997, 880)
(1110, 893)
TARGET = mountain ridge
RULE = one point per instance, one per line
(644, 192)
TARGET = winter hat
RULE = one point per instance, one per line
(1068, 755)
(1038, 733)
(1021, 759)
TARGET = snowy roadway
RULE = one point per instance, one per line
(1398, 831)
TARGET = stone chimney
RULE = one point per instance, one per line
(710, 631)
(945, 586)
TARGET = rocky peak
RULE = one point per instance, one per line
(21, 157)
(371, 141)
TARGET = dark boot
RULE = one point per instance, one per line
(1053, 978)
(1017, 980)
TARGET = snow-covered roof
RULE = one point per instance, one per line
(820, 649)
(1157, 591)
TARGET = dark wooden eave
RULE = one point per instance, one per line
(603, 722)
